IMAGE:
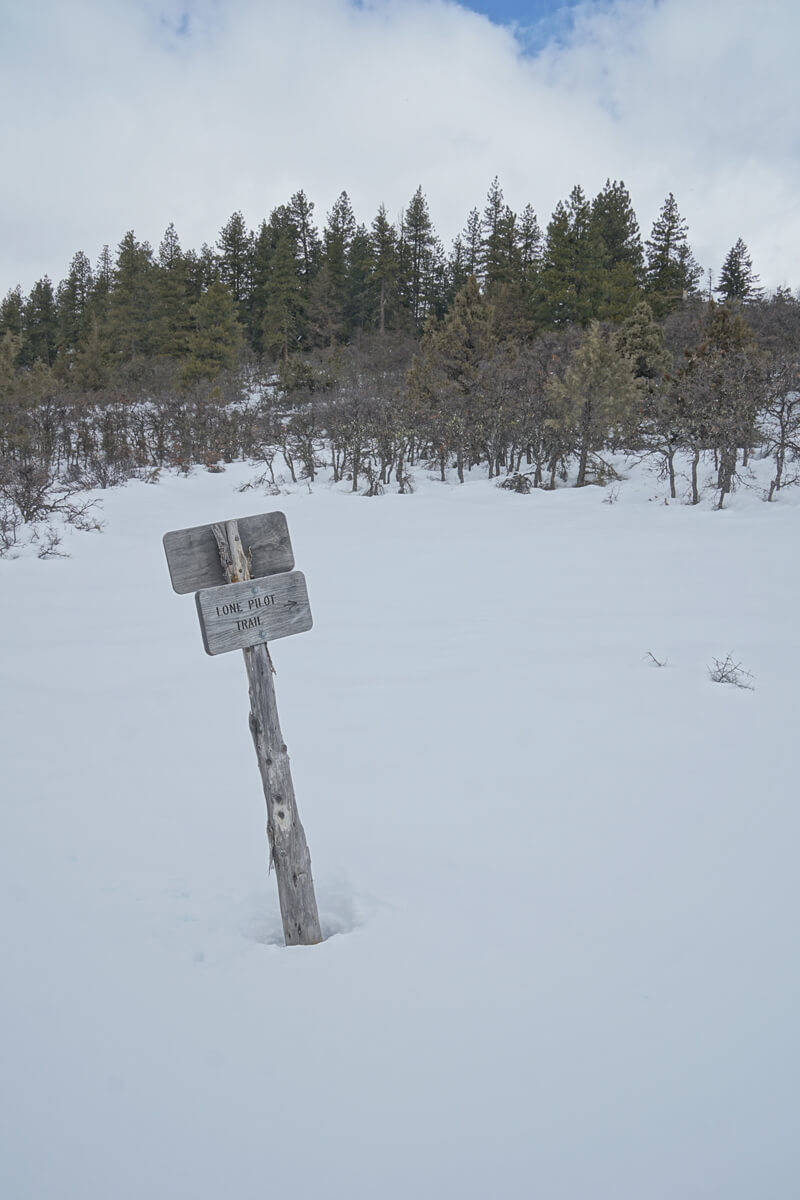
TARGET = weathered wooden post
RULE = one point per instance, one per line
(257, 598)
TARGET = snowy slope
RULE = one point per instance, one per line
(560, 883)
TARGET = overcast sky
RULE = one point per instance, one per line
(129, 114)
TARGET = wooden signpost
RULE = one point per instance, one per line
(248, 595)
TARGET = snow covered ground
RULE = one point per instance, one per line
(559, 882)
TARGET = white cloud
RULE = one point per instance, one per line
(136, 113)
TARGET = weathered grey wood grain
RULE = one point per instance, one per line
(289, 852)
(288, 848)
(193, 555)
(254, 611)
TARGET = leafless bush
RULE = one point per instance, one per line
(405, 483)
(10, 523)
(374, 483)
(33, 501)
(727, 670)
(48, 542)
(100, 472)
(265, 483)
(517, 482)
(657, 662)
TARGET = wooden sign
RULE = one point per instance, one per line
(193, 554)
(248, 595)
(237, 615)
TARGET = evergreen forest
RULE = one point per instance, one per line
(366, 350)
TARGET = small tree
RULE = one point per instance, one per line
(444, 377)
(778, 331)
(641, 341)
(726, 384)
(216, 337)
(738, 280)
(597, 401)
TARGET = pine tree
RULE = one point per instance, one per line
(385, 265)
(456, 271)
(279, 292)
(362, 303)
(466, 256)
(103, 283)
(597, 400)
(202, 269)
(11, 312)
(422, 272)
(622, 260)
(73, 298)
(529, 247)
(443, 380)
(39, 325)
(216, 337)
(309, 247)
(472, 243)
(616, 224)
(235, 257)
(324, 311)
(672, 274)
(514, 293)
(340, 229)
(640, 339)
(130, 303)
(264, 243)
(572, 265)
(738, 280)
(171, 297)
(506, 286)
(91, 370)
(499, 240)
(283, 307)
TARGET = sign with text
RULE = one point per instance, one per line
(193, 554)
(256, 611)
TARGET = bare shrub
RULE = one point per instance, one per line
(727, 670)
(33, 500)
(656, 662)
(518, 482)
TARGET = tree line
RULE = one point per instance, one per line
(288, 288)
(369, 349)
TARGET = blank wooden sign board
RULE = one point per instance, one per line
(247, 595)
(193, 554)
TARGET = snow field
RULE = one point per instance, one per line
(559, 883)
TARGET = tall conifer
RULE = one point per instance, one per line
(572, 264)
(671, 274)
(738, 280)
(385, 265)
(40, 325)
(235, 258)
(131, 309)
(422, 274)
